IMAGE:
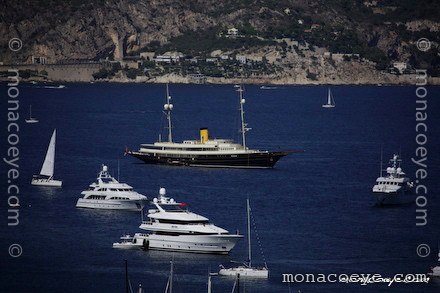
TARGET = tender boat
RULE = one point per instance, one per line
(173, 227)
(45, 178)
(127, 242)
(435, 271)
(31, 119)
(330, 100)
(206, 152)
(246, 269)
(107, 193)
(394, 188)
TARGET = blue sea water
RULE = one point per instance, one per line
(314, 212)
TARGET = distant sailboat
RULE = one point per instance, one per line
(31, 119)
(330, 101)
(246, 270)
(45, 178)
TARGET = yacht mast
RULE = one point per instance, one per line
(168, 107)
(249, 232)
(244, 129)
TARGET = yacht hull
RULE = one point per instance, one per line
(252, 160)
(245, 272)
(128, 205)
(396, 198)
(46, 182)
(214, 244)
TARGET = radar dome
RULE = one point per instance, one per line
(104, 168)
(399, 170)
(162, 191)
(155, 200)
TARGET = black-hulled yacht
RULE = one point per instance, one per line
(207, 152)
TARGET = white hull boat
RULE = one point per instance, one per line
(108, 194)
(246, 269)
(31, 119)
(172, 227)
(213, 244)
(330, 101)
(45, 178)
(127, 242)
(393, 188)
(109, 204)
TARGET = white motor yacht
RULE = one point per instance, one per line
(173, 227)
(394, 187)
(107, 193)
(435, 271)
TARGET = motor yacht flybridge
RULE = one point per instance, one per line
(173, 227)
(207, 152)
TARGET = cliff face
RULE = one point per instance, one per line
(94, 29)
(59, 31)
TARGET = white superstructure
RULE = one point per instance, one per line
(108, 193)
(392, 187)
(45, 178)
(173, 227)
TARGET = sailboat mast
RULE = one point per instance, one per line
(243, 123)
(249, 231)
(126, 276)
(209, 283)
(171, 277)
(168, 107)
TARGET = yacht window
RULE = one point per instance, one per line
(172, 207)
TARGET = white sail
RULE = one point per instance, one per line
(49, 161)
(329, 99)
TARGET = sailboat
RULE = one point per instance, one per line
(246, 269)
(45, 178)
(330, 101)
(31, 119)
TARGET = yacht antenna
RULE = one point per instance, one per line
(244, 129)
(249, 231)
(168, 107)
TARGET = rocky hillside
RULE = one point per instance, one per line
(380, 31)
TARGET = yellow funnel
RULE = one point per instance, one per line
(204, 135)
